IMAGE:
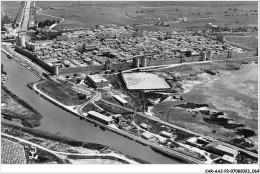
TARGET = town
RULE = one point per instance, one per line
(113, 75)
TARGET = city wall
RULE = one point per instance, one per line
(124, 66)
(127, 65)
(34, 58)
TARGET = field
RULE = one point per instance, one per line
(61, 92)
(12, 153)
(82, 13)
(244, 41)
(144, 81)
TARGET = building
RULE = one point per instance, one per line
(222, 150)
(100, 117)
(166, 134)
(120, 100)
(229, 159)
(97, 81)
(116, 117)
(144, 126)
(147, 135)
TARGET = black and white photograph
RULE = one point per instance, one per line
(165, 86)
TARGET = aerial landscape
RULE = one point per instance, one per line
(129, 82)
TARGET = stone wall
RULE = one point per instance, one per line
(126, 65)
(35, 58)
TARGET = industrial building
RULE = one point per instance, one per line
(100, 117)
(120, 100)
(97, 81)
(166, 134)
(222, 150)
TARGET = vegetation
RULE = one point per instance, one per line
(47, 22)
(19, 109)
(5, 20)
(12, 152)
(61, 91)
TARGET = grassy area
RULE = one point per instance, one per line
(61, 91)
(245, 41)
(19, 109)
(57, 143)
(92, 13)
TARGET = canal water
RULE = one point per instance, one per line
(57, 121)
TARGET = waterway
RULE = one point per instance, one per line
(233, 92)
(57, 121)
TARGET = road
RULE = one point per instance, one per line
(118, 156)
(78, 111)
(180, 128)
(26, 16)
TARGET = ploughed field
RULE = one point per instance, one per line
(12, 152)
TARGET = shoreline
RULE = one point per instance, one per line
(70, 141)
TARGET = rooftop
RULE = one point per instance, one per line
(101, 116)
(97, 78)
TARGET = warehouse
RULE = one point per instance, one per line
(100, 117)
(97, 81)
(120, 100)
(166, 134)
(222, 150)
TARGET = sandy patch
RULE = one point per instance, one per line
(144, 80)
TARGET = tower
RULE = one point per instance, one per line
(108, 64)
(143, 61)
(136, 62)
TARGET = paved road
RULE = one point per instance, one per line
(26, 16)
(118, 156)
(180, 128)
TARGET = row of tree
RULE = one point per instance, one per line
(47, 22)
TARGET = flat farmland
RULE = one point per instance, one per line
(82, 13)
(245, 41)
(11, 8)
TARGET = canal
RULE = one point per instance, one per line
(57, 121)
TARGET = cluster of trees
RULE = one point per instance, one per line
(48, 36)
(145, 11)
(47, 22)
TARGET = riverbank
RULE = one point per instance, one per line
(13, 107)
(68, 145)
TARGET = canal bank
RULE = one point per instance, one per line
(58, 121)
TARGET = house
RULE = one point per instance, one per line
(166, 134)
(147, 135)
(144, 126)
(222, 150)
(120, 100)
(100, 117)
(229, 159)
(97, 81)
